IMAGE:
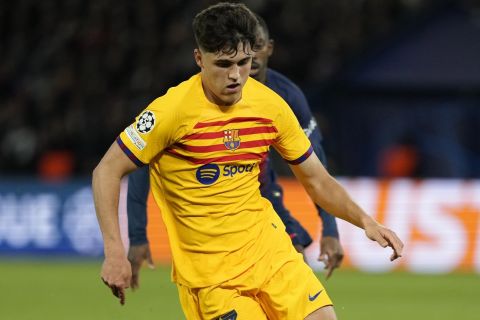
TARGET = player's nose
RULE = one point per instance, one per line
(234, 73)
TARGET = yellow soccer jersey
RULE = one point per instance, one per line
(205, 162)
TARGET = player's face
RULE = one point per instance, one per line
(224, 75)
(264, 49)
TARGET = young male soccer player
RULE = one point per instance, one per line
(331, 251)
(232, 258)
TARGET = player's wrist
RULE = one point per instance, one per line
(114, 251)
(367, 222)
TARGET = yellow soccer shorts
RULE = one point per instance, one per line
(280, 286)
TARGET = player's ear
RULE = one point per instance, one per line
(270, 46)
(197, 54)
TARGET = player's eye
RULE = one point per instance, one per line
(244, 61)
(223, 64)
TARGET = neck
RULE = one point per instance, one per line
(262, 77)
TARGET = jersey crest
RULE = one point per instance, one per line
(231, 139)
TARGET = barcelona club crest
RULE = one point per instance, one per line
(231, 140)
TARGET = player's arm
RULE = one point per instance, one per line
(116, 270)
(329, 223)
(137, 196)
(330, 195)
(300, 107)
(331, 251)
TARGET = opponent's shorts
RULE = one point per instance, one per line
(279, 286)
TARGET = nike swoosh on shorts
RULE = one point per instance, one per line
(312, 298)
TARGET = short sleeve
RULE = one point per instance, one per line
(153, 131)
(291, 141)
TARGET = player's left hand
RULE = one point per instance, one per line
(331, 254)
(386, 238)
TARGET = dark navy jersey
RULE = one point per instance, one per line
(137, 196)
(138, 181)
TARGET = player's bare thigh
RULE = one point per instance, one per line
(325, 313)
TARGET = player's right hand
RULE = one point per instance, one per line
(116, 274)
(136, 255)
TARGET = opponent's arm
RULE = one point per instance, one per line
(116, 271)
(139, 248)
(330, 195)
(137, 196)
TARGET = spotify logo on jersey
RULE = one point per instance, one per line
(208, 173)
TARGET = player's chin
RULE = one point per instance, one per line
(230, 99)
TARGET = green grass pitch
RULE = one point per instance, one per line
(38, 289)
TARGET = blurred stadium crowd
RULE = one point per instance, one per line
(74, 73)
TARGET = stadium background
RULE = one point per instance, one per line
(395, 87)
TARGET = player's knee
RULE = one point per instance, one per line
(325, 313)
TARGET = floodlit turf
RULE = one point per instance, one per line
(73, 290)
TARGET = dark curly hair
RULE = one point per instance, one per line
(223, 26)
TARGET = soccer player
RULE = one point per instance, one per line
(205, 141)
(331, 252)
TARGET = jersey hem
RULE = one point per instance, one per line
(302, 157)
(129, 153)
